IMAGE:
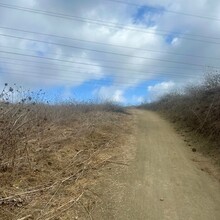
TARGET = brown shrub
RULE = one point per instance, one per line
(198, 108)
(51, 154)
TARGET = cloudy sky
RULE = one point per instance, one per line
(126, 51)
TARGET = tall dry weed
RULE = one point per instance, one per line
(197, 108)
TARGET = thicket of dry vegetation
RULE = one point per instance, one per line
(52, 154)
(197, 109)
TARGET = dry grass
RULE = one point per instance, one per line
(197, 111)
(53, 154)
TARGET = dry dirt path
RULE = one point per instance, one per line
(163, 182)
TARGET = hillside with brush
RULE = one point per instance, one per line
(52, 154)
(195, 111)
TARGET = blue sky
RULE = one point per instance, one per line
(148, 15)
(83, 92)
(145, 50)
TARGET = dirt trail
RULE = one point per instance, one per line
(163, 182)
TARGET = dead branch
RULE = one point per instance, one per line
(25, 217)
(25, 193)
(72, 202)
(117, 162)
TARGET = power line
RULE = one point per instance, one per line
(75, 62)
(163, 73)
(74, 79)
(152, 74)
(121, 69)
(124, 69)
(107, 44)
(103, 23)
(100, 51)
(169, 11)
(108, 61)
(102, 60)
(44, 67)
(77, 79)
(70, 80)
(161, 66)
(83, 58)
(88, 82)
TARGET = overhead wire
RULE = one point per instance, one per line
(150, 65)
(103, 23)
(140, 73)
(80, 80)
(93, 60)
(167, 10)
(99, 51)
(107, 44)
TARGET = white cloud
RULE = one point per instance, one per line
(110, 94)
(137, 99)
(175, 41)
(118, 96)
(160, 89)
(127, 71)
